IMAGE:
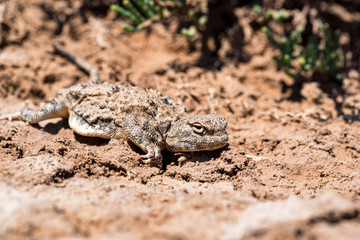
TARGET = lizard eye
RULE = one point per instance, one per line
(198, 128)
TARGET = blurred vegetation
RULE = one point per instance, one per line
(316, 56)
(139, 11)
(272, 14)
(302, 53)
(320, 54)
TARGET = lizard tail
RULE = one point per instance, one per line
(81, 63)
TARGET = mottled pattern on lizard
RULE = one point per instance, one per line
(143, 116)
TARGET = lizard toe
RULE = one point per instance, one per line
(152, 156)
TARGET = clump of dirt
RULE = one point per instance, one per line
(291, 169)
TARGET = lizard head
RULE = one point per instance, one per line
(198, 133)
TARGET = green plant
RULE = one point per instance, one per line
(138, 11)
(320, 56)
(190, 32)
(277, 15)
(200, 22)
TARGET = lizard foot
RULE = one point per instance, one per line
(152, 156)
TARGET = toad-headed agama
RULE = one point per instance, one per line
(143, 116)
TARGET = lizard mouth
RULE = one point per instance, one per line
(204, 143)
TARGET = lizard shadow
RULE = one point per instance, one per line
(205, 156)
(54, 128)
(171, 157)
(92, 141)
(201, 156)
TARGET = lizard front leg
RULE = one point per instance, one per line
(141, 131)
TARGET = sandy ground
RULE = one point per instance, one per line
(291, 169)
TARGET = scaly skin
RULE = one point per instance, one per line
(143, 116)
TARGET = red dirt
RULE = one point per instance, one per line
(291, 170)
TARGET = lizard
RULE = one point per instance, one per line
(142, 116)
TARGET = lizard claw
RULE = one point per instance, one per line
(183, 158)
(152, 156)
